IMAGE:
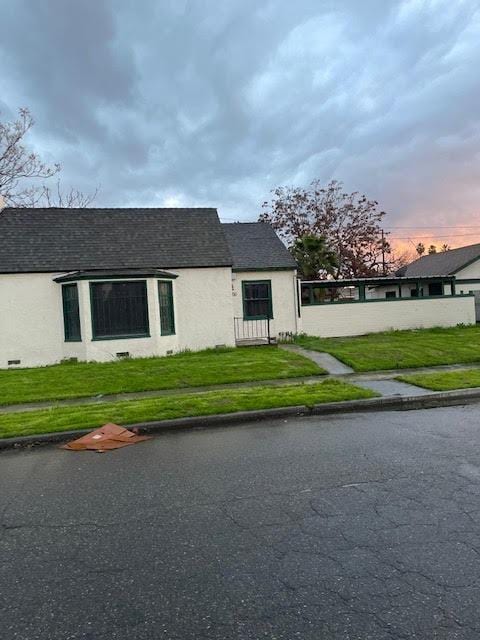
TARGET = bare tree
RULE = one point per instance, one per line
(21, 169)
(18, 165)
(350, 223)
(72, 198)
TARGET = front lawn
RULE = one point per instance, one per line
(445, 381)
(402, 349)
(195, 369)
(177, 406)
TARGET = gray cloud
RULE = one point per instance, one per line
(200, 102)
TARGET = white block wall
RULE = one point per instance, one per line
(358, 318)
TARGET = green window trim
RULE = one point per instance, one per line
(167, 311)
(98, 320)
(71, 313)
(250, 298)
(388, 300)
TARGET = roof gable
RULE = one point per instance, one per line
(255, 246)
(55, 239)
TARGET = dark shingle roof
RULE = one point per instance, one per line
(255, 245)
(52, 240)
(442, 264)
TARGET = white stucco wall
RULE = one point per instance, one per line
(284, 301)
(31, 319)
(470, 274)
(204, 308)
(471, 271)
(358, 318)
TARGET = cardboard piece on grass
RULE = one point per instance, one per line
(106, 438)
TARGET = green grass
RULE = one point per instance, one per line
(202, 368)
(402, 349)
(445, 381)
(177, 406)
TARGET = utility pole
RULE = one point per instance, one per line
(384, 268)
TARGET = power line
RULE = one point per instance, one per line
(434, 235)
(429, 237)
(435, 226)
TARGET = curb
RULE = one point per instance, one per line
(392, 403)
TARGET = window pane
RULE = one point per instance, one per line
(435, 289)
(305, 294)
(318, 294)
(257, 300)
(71, 313)
(256, 308)
(165, 298)
(119, 309)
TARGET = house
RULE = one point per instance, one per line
(463, 264)
(98, 284)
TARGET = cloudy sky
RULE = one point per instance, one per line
(202, 102)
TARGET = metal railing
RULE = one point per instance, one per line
(252, 331)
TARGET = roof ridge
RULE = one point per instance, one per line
(439, 253)
(232, 224)
(110, 209)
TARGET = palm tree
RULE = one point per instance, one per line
(313, 256)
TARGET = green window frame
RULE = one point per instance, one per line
(119, 309)
(71, 313)
(257, 299)
(167, 313)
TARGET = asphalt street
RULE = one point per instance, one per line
(361, 526)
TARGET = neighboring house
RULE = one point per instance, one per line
(462, 263)
(96, 284)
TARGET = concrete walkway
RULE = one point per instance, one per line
(328, 362)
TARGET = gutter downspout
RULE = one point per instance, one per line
(296, 300)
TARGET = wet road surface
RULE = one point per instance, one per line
(364, 527)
